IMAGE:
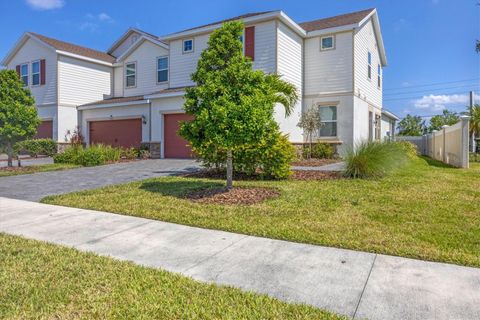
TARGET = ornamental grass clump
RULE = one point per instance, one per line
(374, 159)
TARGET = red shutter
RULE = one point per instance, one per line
(18, 70)
(250, 42)
(42, 71)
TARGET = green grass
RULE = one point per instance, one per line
(44, 281)
(37, 168)
(425, 210)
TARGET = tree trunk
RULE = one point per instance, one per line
(310, 151)
(9, 154)
(229, 170)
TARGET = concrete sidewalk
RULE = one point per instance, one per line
(356, 284)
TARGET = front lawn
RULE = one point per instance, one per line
(13, 171)
(426, 210)
(44, 281)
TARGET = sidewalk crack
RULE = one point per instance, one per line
(364, 287)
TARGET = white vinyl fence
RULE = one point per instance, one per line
(449, 145)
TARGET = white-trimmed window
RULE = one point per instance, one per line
(187, 45)
(130, 74)
(162, 69)
(379, 76)
(328, 119)
(24, 73)
(369, 65)
(327, 43)
(36, 73)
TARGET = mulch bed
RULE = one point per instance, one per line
(314, 162)
(315, 175)
(17, 169)
(219, 175)
(235, 196)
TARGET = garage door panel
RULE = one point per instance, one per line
(175, 146)
(44, 130)
(116, 133)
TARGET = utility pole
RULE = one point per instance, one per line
(472, 102)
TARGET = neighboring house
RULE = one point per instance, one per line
(388, 125)
(61, 76)
(335, 63)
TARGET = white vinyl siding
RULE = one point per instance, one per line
(127, 43)
(183, 65)
(145, 56)
(289, 66)
(32, 50)
(365, 42)
(328, 71)
(118, 82)
(81, 82)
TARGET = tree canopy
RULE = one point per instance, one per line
(447, 118)
(411, 126)
(233, 104)
(18, 115)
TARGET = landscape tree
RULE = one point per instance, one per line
(474, 129)
(232, 104)
(18, 115)
(477, 46)
(411, 126)
(447, 118)
(310, 122)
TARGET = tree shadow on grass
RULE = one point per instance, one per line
(179, 188)
(436, 163)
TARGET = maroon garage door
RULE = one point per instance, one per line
(117, 133)
(45, 130)
(175, 146)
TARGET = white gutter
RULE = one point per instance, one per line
(114, 104)
(321, 32)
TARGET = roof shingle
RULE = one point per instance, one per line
(115, 100)
(337, 21)
(73, 48)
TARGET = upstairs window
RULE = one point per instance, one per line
(130, 74)
(162, 69)
(188, 46)
(327, 43)
(328, 116)
(36, 73)
(369, 65)
(379, 76)
(24, 73)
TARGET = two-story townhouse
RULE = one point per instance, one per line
(61, 76)
(336, 64)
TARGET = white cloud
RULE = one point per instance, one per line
(435, 103)
(45, 4)
(94, 21)
(104, 17)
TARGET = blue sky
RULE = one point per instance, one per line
(432, 63)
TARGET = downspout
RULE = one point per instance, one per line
(149, 122)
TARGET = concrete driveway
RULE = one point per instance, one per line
(34, 187)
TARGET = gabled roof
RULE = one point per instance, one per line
(61, 47)
(247, 18)
(240, 17)
(76, 49)
(127, 33)
(137, 43)
(336, 21)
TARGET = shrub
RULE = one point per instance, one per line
(271, 159)
(319, 151)
(69, 155)
(92, 156)
(129, 153)
(35, 147)
(374, 159)
(409, 148)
